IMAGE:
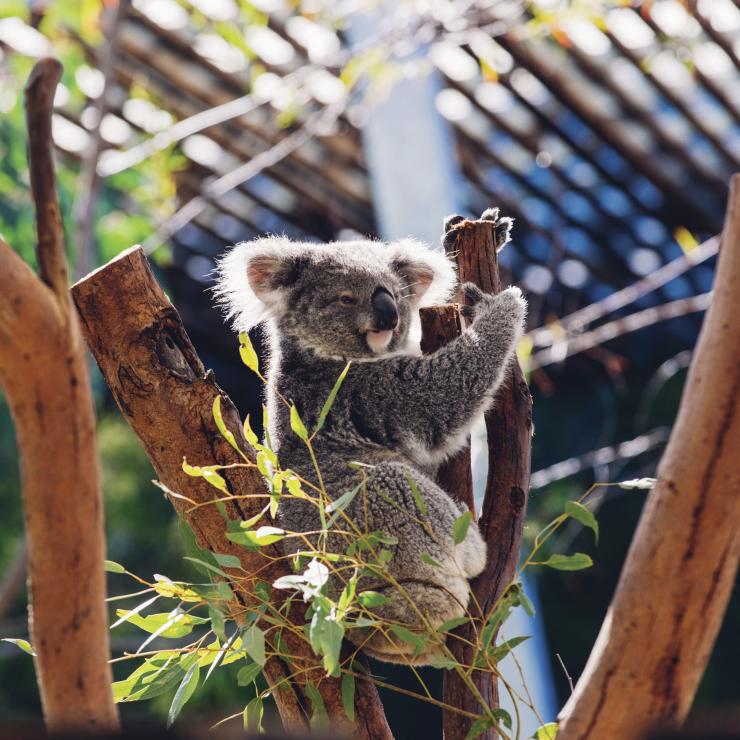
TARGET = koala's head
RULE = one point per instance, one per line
(344, 299)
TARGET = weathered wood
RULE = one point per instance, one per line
(439, 325)
(44, 373)
(509, 431)
(165, 394)
(659, 631)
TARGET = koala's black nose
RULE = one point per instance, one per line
(385, 314)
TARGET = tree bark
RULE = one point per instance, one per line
(165, 394)
(509, 432)
(663, 620)
(43, 371)
(440, 325)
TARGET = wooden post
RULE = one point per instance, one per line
(166, 395)
(44, 373)
(509, 429)
(655, 642)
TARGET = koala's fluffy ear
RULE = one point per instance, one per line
(429, 273)
(252, 277)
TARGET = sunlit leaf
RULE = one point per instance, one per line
(547, 732)
(221, 426)
(253, 715)
(371, 599)
(113, 567)
(297, 425)
(641, 483)
(248, 353)
(19, 642)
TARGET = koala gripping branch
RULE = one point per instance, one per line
(165, 394)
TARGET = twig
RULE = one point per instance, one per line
(565, 671)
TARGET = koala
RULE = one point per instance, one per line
(399, 413)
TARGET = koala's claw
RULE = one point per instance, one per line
(472, 292)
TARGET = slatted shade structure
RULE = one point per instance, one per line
(610, 138)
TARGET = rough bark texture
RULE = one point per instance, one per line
(43, 371)
(509, 432)
(663, 620)
(165, 394)
(439, 325)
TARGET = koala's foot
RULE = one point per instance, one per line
(509, 302)
(438, 604)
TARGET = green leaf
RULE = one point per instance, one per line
(184, 692)
(215, 479)
(113, 567)
(642, 483)
(348, 693)
(253, 716)
(418, 641)
(253, 641)
(502, 650)
(527, 605)
(418, 498)
(221, 426)
(297, 425)
(206, 565)
(578, 561)
(250, 435)
(547, 732)
(330, 641)
(479, 727)
(217, 622)
(371, 599)
(326, 408)
(429, 560)
(24, 645)
(450, 624)
(228, 561)
(341, 503)
(460, 527)
(319, 718)
(441, 661)
(248, 674)
(502, 716)
(583, 515)
(247, 353)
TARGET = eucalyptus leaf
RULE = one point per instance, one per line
(348, 694)
(581, 514)
(19, 642)
(577, 561)
(113, 567)
(326, 408)
(461, 526)
(184, 692)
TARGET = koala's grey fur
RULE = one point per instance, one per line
(397, 411)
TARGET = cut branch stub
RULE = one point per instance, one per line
(473, 244)
(160, 385)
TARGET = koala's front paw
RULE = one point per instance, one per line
(509, 302)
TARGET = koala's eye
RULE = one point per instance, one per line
(347, 299)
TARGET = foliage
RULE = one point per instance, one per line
(222, 632)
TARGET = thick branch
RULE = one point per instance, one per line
(52, 260)
(44, 373)
(163, 391)
(660, 628)
(508, 427)
(439, 325)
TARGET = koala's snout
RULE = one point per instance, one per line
(385, 313)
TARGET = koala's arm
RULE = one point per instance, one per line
(437, 396)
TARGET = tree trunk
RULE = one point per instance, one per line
(165, 394)
(509, 432)
(43, 371)
(663, 621)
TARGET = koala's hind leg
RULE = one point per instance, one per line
(435, 592)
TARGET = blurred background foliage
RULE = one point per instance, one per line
(593, 402)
